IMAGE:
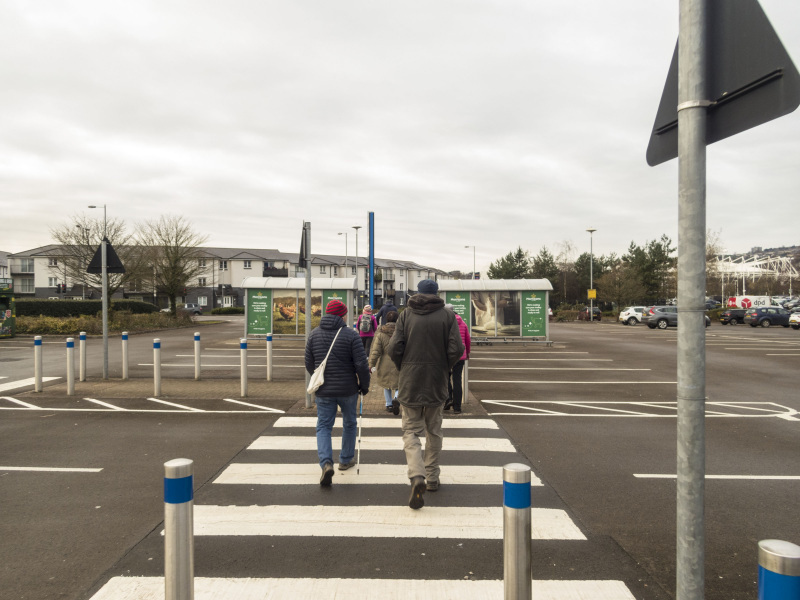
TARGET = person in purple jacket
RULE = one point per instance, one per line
(367, 325)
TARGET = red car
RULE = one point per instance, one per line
(584, 314)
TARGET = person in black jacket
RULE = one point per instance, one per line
(346, 374)
(385, 310)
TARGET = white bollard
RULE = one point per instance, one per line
(37, 363)
(465, 387)
(269, 357)
(243, 349)
(82, 359)
(157, 367)
(124, 355)
(178, 529)
(197, 355)
(517, 532)
(70, 366)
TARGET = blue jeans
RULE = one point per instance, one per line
(389, 395)
(326, 415)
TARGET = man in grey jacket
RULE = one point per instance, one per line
(425, 346)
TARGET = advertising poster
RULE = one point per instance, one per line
(259, 312)
(534, 314)
(460, 302)
(327, 296)
(495, 313)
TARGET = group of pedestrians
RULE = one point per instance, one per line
(412, 356)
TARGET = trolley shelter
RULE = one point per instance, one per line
(501, 308)
(277, 305)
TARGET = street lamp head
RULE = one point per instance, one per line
(92, 206)
(356, 227)
(590, 230)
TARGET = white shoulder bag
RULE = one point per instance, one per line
(318, 376)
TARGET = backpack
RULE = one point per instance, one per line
(365, 324)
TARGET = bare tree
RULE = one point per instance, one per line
(172, 248)
(79, 240)
(565, 261)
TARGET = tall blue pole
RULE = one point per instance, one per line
(372, 258)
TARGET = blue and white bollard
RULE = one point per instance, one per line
(82, 359)
(517, 532)
(37, 363)
(124, 355)
(179, 529)
(778, 570)
(269, 357)
(243, 368)
(197, 355)
(157, 367)
(70, 366)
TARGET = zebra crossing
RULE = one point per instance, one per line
(264, 528)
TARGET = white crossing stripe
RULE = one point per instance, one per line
(451, 522)
(282, 442)
(52, 469)
(388, 423)
(12, 385)
(241, 588)
(380, 474)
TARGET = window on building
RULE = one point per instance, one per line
(248, 264)
(401, 287)
(202, 300)
(223, 265)
(269, 265)
(26, 266)
(353, 271)
(335, 271)
(52, 262)
(52, 281)
(201, 262)
(419, 273)
(26, 285)
(322, 269)
(201, 281)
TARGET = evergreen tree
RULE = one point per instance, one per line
(514, 265)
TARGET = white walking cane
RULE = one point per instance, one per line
(360, 418)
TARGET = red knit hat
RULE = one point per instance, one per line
(335, 307)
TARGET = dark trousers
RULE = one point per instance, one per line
(454, 386)
(367, 341)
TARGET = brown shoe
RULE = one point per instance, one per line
(327, 475)
(432, 486)
(417, 489)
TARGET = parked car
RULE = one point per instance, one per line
(584, 314)
(712, 304)
(189, 307)
(794, 320)
(767, 316)
(734, 316)
(664, 316)
(631, 315)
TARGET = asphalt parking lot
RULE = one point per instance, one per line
(594, 414)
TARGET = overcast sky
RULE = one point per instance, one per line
(493, 123)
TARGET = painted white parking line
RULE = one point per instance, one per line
(731, 477)
(230, 366)
(219, 588)
(19, 383)
(258, 406)
(537, 382)
(593, 408)
(52, 469)
(20, 402)
(388, 423)
(783, 355)
(555, 369)
(191, 408)
(478, 353)
(451, 522)
(379, 474)
(106, 404)
(543, 359)
(279, 442)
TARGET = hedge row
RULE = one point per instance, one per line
(77, 308)
(228, 310)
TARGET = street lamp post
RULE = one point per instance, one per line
(473, 260)
(591, 272)
(358, 284)
(104, 275)
(345, 251)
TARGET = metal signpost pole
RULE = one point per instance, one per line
(591, 271)
(307, 234)
(104, 276)
(691, 392)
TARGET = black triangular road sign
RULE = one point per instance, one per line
(750, 79)
(113, 263)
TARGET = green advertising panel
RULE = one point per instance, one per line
(460, 302)
(328, 295)
(534, 314)
(259, 312)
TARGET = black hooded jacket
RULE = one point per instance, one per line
(347, 371)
